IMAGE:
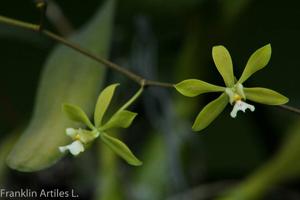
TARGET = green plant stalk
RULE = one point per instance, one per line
(108, 181)
(132, 99)
(151, 182)
(284, 166)
(257, 184)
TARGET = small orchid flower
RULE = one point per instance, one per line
(120, 119)
(80, 138)
(234, 91)
(75, 148)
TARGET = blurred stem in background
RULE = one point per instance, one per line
(108, 178)
(284, 166)
(129, 74)
(150, 181)
(155, 174)
(56, 16)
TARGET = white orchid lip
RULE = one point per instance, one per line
(240, 105)
(236, 95)
(75, 148)
(80, 138)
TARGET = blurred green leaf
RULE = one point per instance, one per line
(6, 145)
(283, 166)
(122, 119)
(210, 112)
(120, 149)
(258, 60)
(68, 77)
(76, 114)
(265, 96)
(232, 10)
(103, 102)
(151, 181)
(223, 63)
(195, 87)
(109, 183)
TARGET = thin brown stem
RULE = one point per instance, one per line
(291, 109)
(138, 79)
(42, 6)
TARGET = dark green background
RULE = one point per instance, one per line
(229, 148)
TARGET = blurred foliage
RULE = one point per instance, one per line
(68, 77)
(176, 161)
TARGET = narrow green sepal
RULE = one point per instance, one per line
(121, 119)
(103, 102)
(265, 96)
(120, 149)
(258, 60)
(76, 114)
(210, 112)
(223, 63)
(195, 87)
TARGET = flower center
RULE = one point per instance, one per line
(77, 137)
(236, 95)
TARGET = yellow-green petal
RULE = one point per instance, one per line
(121, 119)
(258, 60)
(210, 112)
(195, 87)
(223, 63)
(265, 96)
(76, 114)
(103, 102)
(120, 149)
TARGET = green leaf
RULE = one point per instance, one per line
(76, 114)
(223, 63)
(265, 96)
(121, 119)
(68, 76)
(258, 60)
(121, 149)
(103, 102)
(210, 112)
(194, 87)
(284, 166)
(6, 144)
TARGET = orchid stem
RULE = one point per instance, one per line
(37, 28)
(134, 77)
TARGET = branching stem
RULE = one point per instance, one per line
(135, 77)
(34, 27)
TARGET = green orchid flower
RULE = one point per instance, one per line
(234, 92)
(121, 119)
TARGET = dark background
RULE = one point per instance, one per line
(177, 36)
